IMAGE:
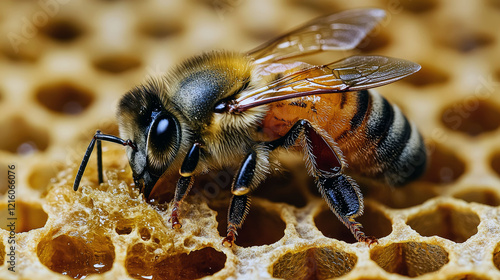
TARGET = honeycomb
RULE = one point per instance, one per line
(64, 64)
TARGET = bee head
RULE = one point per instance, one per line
(156, 132)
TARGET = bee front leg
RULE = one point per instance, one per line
(185, 182)
(182, 188)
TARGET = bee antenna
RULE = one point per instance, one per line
(98, 137)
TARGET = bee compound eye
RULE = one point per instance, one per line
(163, 132)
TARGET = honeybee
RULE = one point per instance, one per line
(229, 109)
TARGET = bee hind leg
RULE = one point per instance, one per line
(324, 162)
(344, 199)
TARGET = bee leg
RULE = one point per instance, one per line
(185, 182)
(182, 188)
(321, 157)
(345, 200)
(324, 162)
(191, 160)
(251, 172)
(238, 210)
(245, 176)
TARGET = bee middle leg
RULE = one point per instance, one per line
(251, 173)
(324, 163)
(238, 210)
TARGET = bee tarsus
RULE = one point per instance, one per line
(184, 185)
(238, 210)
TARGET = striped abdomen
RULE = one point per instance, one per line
(376, 139)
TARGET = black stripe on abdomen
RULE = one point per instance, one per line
(401, 149)
(412, 162)
(361, 109)
(392, 143)
(381, 117)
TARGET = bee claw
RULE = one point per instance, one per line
(176, 224)
(228, 241)
(369, 240)
(174, 218)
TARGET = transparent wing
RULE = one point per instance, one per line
(341, 31)
(350, 74)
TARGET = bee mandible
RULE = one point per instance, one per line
(230, 109)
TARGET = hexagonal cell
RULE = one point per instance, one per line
(466, 41)
(282, 188)
(63, 30)
(471, 116)
(24, 138)
(444, 166)
(314, 263)
(76, 256)
(261, 227)
(145, 234)
(410, 259)
(143, 264)
(29, 216)
(480, 195)
(427, 76)
(374, 222)
(117, 63)
(418, 7)
(64, 98)
(446, 221)
(496, 257)
(124, 226)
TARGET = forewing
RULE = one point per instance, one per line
(341, 31)
(363, 72)
(350, 74)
